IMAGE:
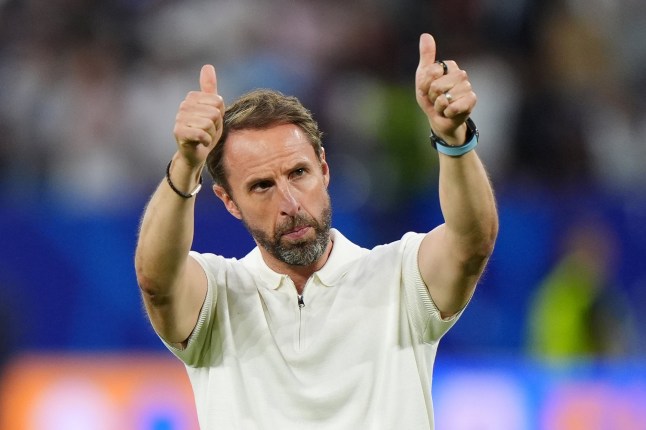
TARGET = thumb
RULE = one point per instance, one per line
(426, 50)
(208, 81)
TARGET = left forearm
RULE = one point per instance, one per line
(468, 205)
(452, 256)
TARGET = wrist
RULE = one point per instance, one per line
(456, 150)
(187, 166)
(183, 178)
(455, 138)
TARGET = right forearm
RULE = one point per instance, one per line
(166, 233)
(174, 285)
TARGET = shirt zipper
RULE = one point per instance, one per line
(301, 305)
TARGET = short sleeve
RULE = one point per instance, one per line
(424, 315)
(199, 340)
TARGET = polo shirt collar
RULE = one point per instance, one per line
(343, 252)
(257, 266)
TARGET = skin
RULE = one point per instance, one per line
(453, 256)
(275, 176)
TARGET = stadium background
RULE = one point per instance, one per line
(88, 93)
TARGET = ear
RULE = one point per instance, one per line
(325, 168)
(229, 204)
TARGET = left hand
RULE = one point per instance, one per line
(446, 114)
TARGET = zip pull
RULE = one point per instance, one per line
(301, 305)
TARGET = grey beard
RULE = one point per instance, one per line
(302, 253)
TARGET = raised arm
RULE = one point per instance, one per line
(172, 283)
(453, 256)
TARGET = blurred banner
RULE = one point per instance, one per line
(93, 392)
(152, 392)
(512, 394)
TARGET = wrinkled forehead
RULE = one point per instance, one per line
(278, 147)
(260, 142)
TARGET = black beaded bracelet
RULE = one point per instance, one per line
(178, 192)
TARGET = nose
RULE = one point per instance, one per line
(288, 204)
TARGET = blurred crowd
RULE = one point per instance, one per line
(89, 91)
(90, 88)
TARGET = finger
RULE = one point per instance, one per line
(208, 81)
(427, 50)
(460, 106)
(187, 135)
(463, 106)
(205, 105)
(205, 124)
(439, 89)
(440, 104)
(457, 82)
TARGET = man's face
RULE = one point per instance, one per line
(279, 190)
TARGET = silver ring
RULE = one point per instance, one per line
(449, 97)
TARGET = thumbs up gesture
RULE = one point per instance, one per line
(198, 124)
(444, 93)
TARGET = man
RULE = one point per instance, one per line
(309, 330)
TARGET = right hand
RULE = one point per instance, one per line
(198, 124)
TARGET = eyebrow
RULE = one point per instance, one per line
(253, 180)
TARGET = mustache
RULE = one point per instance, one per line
(295, 222)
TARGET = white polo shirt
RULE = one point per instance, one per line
(357, 354)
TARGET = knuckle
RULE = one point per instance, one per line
(205, 138)
(185, 106)
(434, 87)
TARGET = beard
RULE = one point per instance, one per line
(303, 252)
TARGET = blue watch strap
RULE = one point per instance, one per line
(456, 151)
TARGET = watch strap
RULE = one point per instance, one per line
(470, 143)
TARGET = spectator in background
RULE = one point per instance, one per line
(551, 146)
(578, 310)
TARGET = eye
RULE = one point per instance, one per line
(261, 186)
(298, 172)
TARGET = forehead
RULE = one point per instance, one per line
(254, 151)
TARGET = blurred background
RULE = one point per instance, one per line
(553, 338)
